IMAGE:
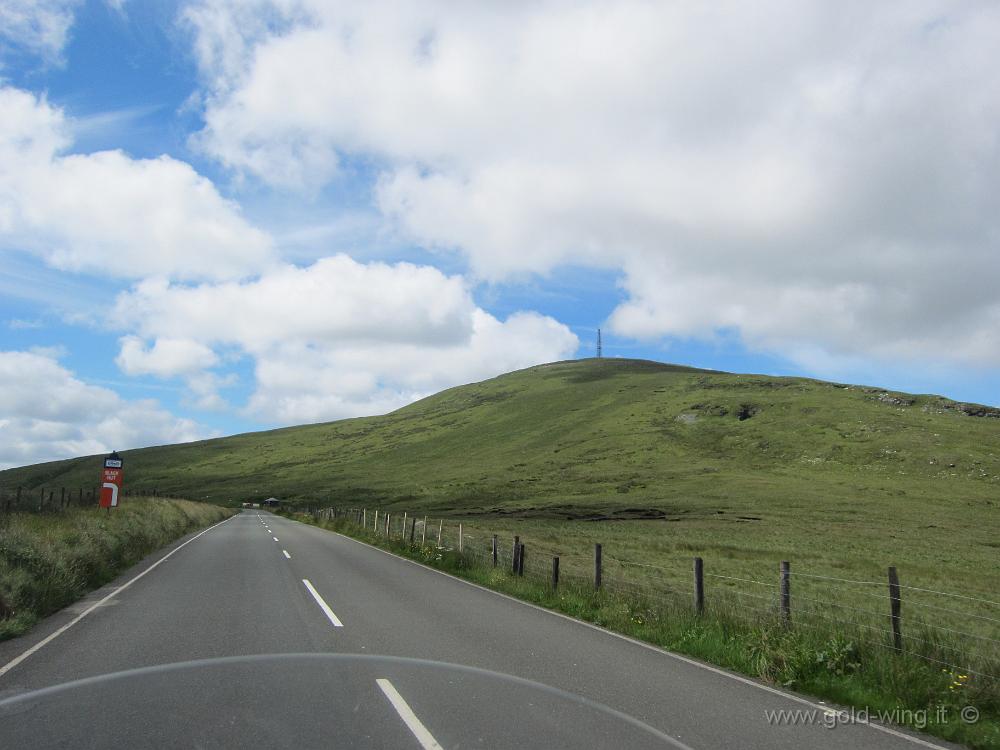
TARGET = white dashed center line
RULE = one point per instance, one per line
(424, 737)
(286, 554)
(323, 605)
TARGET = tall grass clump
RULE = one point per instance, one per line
(838, 662)
(48, 561)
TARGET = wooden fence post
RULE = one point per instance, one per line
(403, 535)
(513, 554)
(894, 603)
(520, 559)
(440, 527)
(423, 533)
(786, 592)
(555, 572)
(413, 528)
(460, 547)
(494, 550)
(597, 566)
(699, 586)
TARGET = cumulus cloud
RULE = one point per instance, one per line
(46, 413)
(167, 357)
(109, 214)
(334, 299)
(336, 339)
(797, 172)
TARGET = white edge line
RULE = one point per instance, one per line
(323, 605)
(52, 636)
(286, 554)
(649, 646)
(424, 737)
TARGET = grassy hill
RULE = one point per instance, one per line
(593, 438)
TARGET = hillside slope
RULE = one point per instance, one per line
(597, 438)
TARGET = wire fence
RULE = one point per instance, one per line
(56, 499)
(955, 630)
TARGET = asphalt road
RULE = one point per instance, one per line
(362, 634)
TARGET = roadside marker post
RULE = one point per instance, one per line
(597, 566)
(699, 586)
(786, 592)
(894, 604)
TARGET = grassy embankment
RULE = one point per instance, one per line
(48, 561)
(839, 664)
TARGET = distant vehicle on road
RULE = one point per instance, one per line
(272, 502)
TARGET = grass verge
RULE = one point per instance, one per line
(835, 664)
(48, 561)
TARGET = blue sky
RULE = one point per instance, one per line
(221, 217)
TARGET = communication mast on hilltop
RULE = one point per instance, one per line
(598, 343)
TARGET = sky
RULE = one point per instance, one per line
(233, 215)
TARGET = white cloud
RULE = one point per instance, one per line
(336, 339)
(814, 176)
(37, 26)
(204, 388)
(106, 213)
(47, 413)
(298, 383)
(333, 300)
(167, 357)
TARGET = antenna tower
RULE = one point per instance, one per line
(598, 343)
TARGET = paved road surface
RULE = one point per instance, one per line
(260, 584)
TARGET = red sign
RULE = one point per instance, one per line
(111, 481)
